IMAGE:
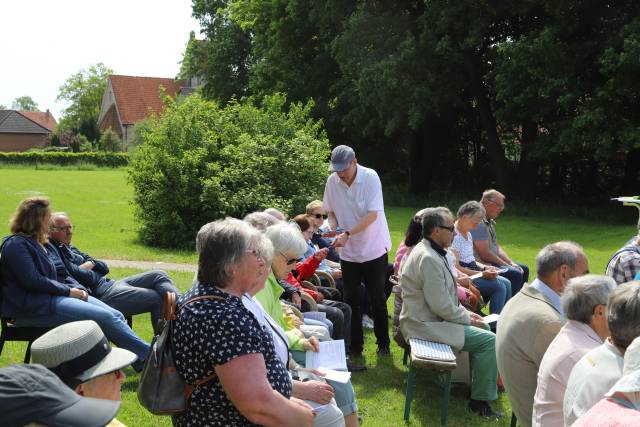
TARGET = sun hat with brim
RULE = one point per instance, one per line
(33, 394)
(78, 352)
(341, 158)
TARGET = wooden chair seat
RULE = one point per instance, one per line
(10, 332)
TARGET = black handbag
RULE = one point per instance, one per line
(162, 390)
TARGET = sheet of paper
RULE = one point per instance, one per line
(337, 376)
(475, 276)
(493, 317)
(315, 315)
(331, 355)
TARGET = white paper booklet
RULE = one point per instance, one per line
(315, 315)
(331, 356)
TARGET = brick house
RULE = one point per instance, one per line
(22, 130)
(128, 100)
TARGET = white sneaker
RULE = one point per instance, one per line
(367, 322)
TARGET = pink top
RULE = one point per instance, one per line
(402, 249)
(607, 413)
(574, 340)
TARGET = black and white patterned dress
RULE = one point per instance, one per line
(208, 333)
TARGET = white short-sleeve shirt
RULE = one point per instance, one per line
(350, 204)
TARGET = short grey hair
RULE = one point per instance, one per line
(623, 313)
(287, 237)
(434, 217)
(471, 208)
(221, 245)
(491, 194)
(261, 220)
(583, 293)
(552, 256)
(276, 213)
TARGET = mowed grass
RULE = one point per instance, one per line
(99, 203)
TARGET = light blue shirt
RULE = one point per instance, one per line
(551, 295)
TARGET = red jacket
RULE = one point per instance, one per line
(305, 270)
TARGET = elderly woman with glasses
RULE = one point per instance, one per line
(584, 302)
(220, 339)
(288, 245)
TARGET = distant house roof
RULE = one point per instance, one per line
(13, 121)
(137, 97)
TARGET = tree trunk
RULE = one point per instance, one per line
(528, 167)
(488, 122)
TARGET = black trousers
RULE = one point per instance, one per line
(373, 275)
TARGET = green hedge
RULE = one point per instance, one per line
(112, 160)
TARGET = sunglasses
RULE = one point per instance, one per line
(318, 216)
(290, 261)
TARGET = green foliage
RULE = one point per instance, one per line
(110, 141)
(25, 103)
(200, 162)
(112, 160)
(84, 91)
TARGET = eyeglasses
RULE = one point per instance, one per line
(318, 216)
(500, 205)
(66, 228)
(290, 261)
(451, 229)
(255, 252)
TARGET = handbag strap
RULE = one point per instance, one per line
(169, 313)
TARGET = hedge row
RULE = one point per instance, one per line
(112, 160)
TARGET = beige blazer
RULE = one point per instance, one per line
(527, 325)
(430, 308)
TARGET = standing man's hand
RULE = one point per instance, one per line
(341, 240)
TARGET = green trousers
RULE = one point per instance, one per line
(481, 345)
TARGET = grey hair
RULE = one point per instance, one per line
(287, 238)
(623, 313)
(260, 220)
(221, 244)
(276, 213)
(552, 256)
(491, 194)
(432, 218)
(471, 208)
(583, 293)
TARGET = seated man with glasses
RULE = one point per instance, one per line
(135, 294)
(485, 242)
(80, 355)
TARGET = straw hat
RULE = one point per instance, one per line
(78, 352)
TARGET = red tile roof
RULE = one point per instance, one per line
(137, 97)
(44, 119)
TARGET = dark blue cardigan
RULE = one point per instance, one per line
(28, 279)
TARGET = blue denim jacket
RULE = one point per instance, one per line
(28, 279)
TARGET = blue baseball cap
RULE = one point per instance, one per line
(341, 158)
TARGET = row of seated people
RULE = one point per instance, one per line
(245, 337)
(600, 321)
(45, 281)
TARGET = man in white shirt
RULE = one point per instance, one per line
(353, 201)
(599, 369)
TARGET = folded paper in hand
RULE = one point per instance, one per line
(331, 356)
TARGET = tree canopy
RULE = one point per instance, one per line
(535, 97)
(84, 90)
(24, 103)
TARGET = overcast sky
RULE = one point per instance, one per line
(43, 42)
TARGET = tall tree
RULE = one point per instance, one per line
(25, 103)
(84, 91)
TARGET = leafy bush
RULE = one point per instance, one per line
(109, 141)
(200, 162)
(112, 160)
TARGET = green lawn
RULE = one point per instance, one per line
(99, 203)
